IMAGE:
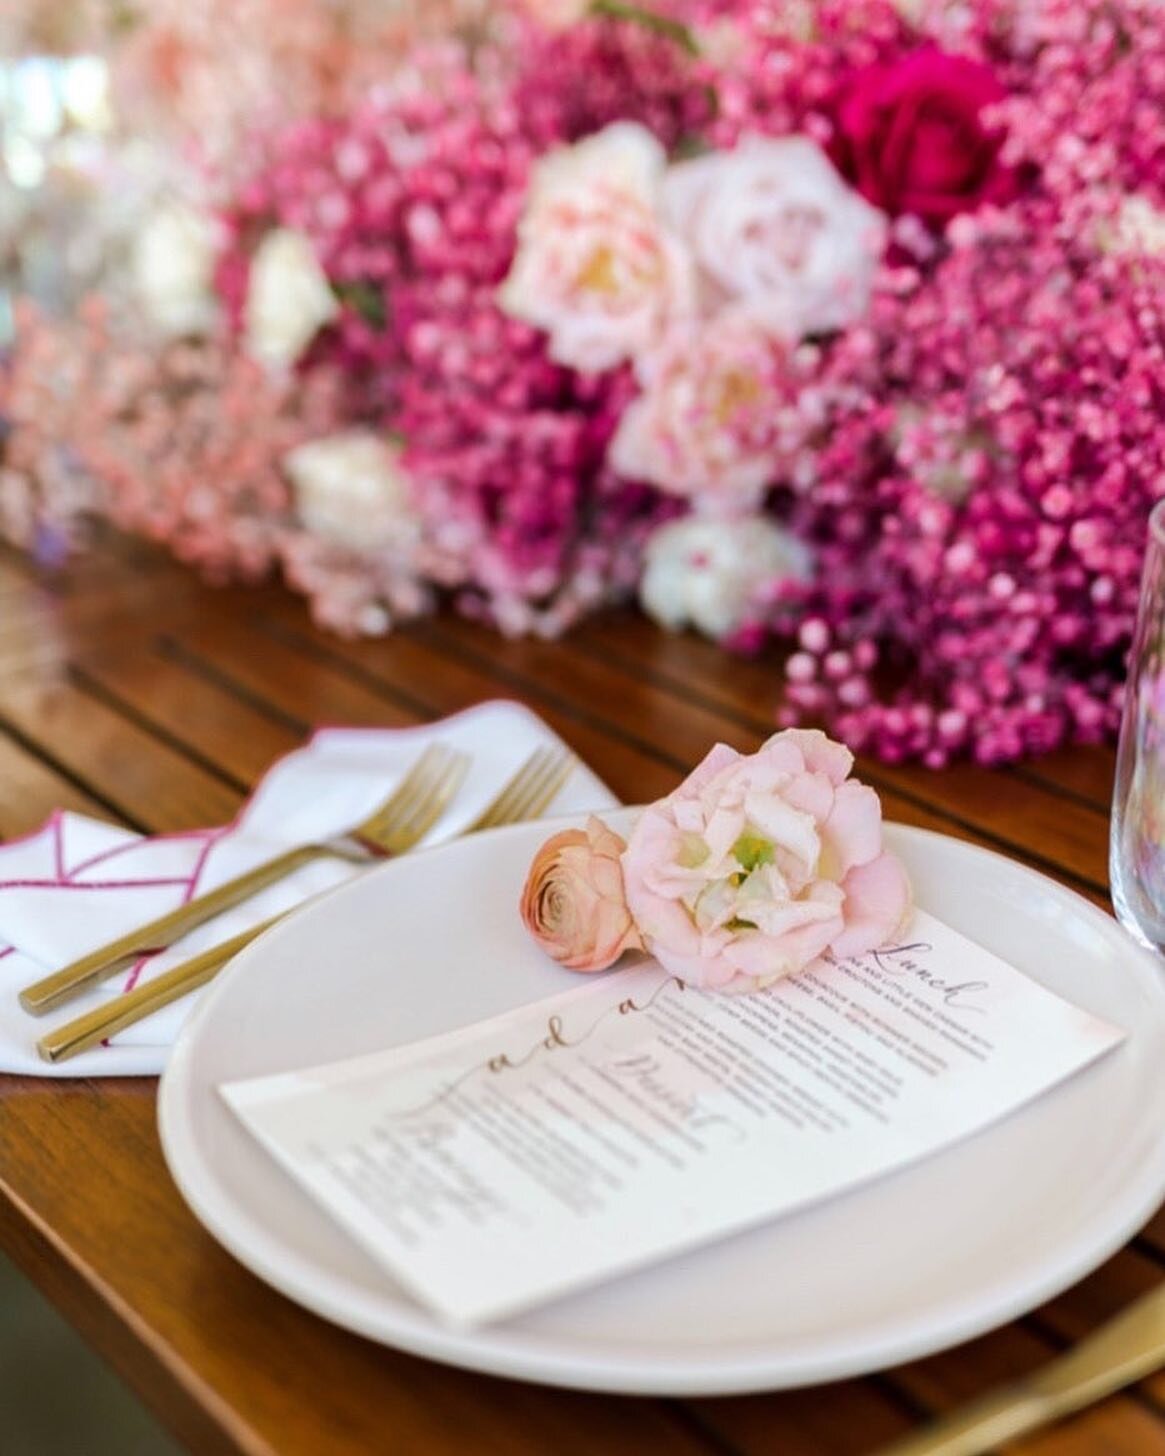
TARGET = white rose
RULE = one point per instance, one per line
(350, 488)
(596, 267)
(173, 269)
(1138, 228)
(288, 299)
(773, 224)
(711, 419)
(707, 572)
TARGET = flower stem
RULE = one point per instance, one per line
(661, 24)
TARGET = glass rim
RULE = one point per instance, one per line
(1157, 524)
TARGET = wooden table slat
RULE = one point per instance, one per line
(134, 692)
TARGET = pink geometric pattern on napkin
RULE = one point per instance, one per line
(65, 876)
(310, 794)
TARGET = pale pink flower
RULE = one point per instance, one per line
(773, 224)
(289, 299)
(712, 415)
(351, 489)
(708, 571)
(596, 267)
(573, 902)
(756, 866)
(174, 257)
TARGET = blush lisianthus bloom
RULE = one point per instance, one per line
(772, 223)
(573, 902)
(757, 865)
(351, 489)
(711, 416)
(288, 299)
(596, 268)
(706, 570)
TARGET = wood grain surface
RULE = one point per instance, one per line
(134, 693)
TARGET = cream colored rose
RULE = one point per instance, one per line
(706, 571)
(173, 269)
(288, 299)
(773, 225)
(596, 267)
(1138, 228)
(709, 421)
(350, 488)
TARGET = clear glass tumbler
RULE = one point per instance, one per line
(1137, 841)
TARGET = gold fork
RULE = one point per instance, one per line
(397, 824)
(531, 790)
(1127, 1347)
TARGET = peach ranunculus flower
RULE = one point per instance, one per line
(573, 902)
(773, 225)
(596, 267)
(756, 866)
(715, 416)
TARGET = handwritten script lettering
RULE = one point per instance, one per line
(903, 960)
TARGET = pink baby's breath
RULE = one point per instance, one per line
(969, 452)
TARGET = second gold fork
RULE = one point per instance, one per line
(396, 825)
(525, 796)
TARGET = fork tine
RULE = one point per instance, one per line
(499, 810)
(407, 830)
(541, 793)
(413, 784)
(530, 790)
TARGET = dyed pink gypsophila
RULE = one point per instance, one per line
(412, 206)
(183, 445)
(979, 454)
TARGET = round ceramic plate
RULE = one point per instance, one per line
(916, 1261)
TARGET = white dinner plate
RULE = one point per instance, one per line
(916, 1261)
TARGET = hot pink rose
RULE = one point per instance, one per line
(755, 866)
(911, 138)
(573, 902)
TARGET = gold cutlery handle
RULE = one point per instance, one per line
(62, 985)
(95, 1026)
(981, 1425)
(1128, 1347)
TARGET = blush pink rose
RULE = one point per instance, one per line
(757, 865)
(573, 902)
(596, 267)
(772, 225)
(711, 420)
(911, 137)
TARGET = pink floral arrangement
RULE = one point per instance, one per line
(835, 324)
(754, 868)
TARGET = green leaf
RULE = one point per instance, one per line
(365, 299)
(638, 15)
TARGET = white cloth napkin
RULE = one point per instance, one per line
(76, 882)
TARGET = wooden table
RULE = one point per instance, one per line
(132, 692)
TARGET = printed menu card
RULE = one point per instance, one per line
(515, 1160)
